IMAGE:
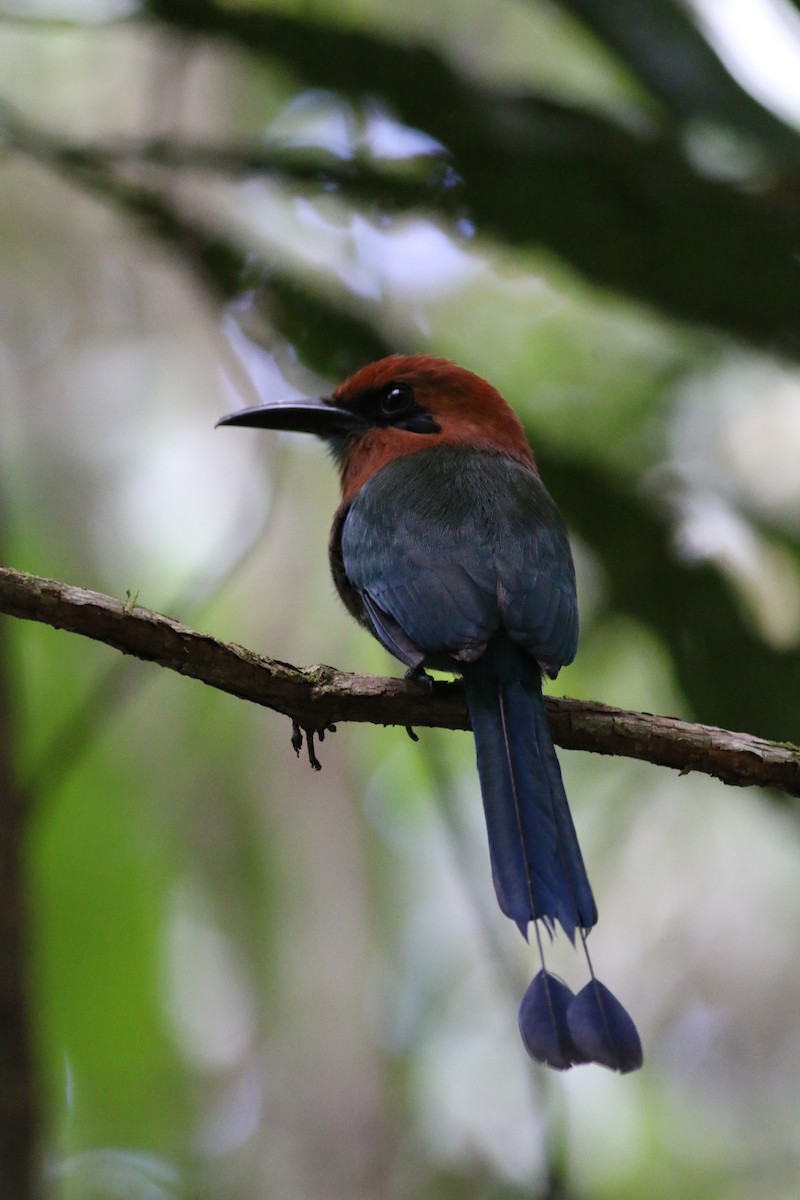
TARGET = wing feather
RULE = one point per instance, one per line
(451, 544)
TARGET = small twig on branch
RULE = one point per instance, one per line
(317, 697)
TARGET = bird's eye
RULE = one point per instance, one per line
(396, 399)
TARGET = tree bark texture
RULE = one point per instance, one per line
(317, 697)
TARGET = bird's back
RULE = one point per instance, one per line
(451, 545)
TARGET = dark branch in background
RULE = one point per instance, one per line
(317, 697)
(626, 209)
(662, 46)
(18, 1122)
(334, 339)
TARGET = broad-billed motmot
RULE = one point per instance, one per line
(448, 549)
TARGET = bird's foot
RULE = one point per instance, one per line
(310, 734)
(419, 675)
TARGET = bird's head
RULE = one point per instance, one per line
(398, 405)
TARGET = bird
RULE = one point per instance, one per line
(448, 549)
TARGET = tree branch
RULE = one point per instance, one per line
(317, 697)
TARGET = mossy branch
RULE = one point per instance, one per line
(317, 697)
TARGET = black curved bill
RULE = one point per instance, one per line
(300, 416)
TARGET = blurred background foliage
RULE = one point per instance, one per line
(251, 981)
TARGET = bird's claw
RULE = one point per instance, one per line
(419, 675)
(298, 733)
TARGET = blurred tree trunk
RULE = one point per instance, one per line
(17, 1090)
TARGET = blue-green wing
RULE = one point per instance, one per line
(447, 546)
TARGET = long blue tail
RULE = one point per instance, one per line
(537, 865)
